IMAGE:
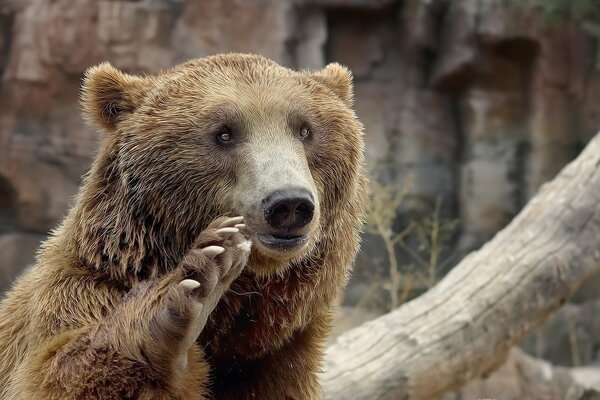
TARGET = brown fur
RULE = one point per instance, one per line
(83, 323)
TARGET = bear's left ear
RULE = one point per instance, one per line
(339, 79)
(109, 95)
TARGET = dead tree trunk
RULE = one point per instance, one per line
(464, 327)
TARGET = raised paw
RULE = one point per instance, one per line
(216, 259)
(218, 255)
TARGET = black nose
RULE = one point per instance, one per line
(288, 210)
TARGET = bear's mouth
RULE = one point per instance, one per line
(282, 243)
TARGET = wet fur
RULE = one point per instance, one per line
(106, 268)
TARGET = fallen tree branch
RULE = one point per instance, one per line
(465, 326)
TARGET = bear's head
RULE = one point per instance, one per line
(234, 134)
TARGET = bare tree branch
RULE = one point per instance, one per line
(465, 326)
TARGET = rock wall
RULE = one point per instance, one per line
(479, 102)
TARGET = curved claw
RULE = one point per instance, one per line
(227, 231)
(231, 222)
(189, 284)
(212, 251)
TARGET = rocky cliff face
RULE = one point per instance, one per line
(479, 102)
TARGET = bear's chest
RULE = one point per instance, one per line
(256, 317)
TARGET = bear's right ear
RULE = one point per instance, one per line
(108, 95)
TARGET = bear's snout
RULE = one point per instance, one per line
(287, 214)
(287, 211)
(278, 198)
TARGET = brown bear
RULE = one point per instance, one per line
(153, 287)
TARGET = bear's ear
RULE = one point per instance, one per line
(339, 79)
(108, 95)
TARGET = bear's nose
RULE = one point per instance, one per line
(288, 210)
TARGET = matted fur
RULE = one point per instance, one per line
(79, 325)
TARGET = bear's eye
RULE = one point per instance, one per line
(304, 133)
(224, 136)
